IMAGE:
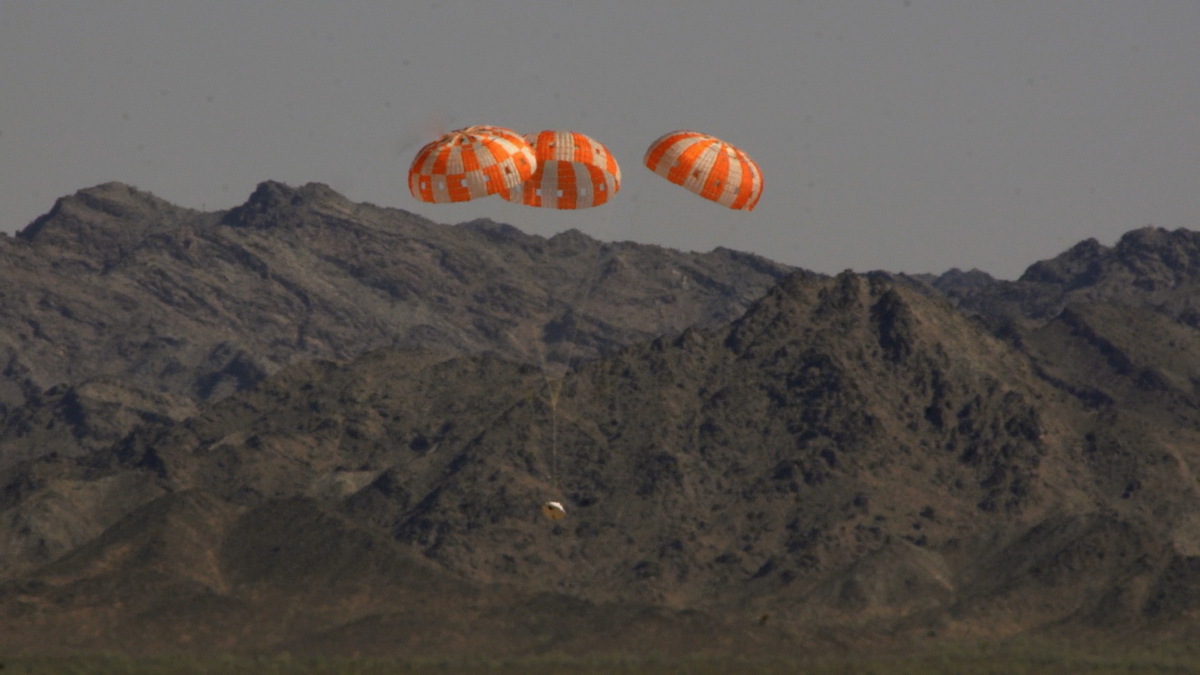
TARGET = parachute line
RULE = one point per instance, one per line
(579, 310)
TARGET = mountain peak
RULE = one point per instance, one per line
(494, 230)
(1073, 267)
(104, 206)
(1178, 250)
(273, 203)
(1152, 256)
(275, 193)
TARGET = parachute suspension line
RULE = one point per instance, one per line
(554, 447)
(584, 300)
(579, 310)
(556, 169)
(555, 388)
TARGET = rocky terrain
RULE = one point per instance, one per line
(319, 426)
(117, 307)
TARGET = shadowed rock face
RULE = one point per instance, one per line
(340, 440)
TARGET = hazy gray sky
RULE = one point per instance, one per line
(909, 135)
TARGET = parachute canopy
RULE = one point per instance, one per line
(470, 163)
(574, 171)
(707, 166)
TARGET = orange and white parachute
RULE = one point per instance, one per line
(470, 163)
(707, 166)
(574, 171)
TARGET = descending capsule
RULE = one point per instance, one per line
(574, 171)
(708, 166)
(470, 163)
(554, 511)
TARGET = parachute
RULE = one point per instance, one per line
(470, 163)
(708, 166)
(574, 171)
(569, 170)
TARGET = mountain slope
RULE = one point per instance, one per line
(849, 453)
(180, 306)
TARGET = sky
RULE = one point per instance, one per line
(906, 135)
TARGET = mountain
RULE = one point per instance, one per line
(1114, 327)
(1148, 267)
(117, 289)
(824, 463)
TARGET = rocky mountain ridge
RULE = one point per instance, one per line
(187, 307)
(852, 460)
